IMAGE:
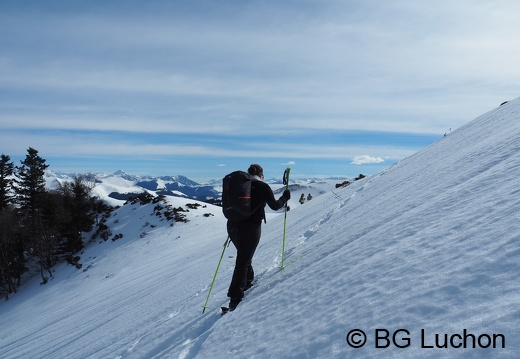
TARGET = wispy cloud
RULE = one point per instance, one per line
(250, 79)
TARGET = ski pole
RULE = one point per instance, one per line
(286, 183)
(226, 244)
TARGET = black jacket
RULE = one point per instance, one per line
(262, 194)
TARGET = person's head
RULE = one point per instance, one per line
(256, 170)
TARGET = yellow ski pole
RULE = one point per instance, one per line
(286, 183)
(226, 244)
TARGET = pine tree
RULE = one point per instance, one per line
(11, 259)
(12, 262)
(31, 182)
(79, 207)
(36, 238)
(6, 181)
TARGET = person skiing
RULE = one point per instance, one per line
(245, 234)
(302, 198)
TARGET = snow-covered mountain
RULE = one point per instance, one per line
(423, 255)
(118, 187)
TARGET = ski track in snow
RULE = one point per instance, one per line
(186, 341)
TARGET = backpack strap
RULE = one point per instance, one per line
(255, 178)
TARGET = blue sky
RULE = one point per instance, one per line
(201, 88)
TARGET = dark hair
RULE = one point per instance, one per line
(255, 170)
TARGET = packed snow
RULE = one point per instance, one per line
(423, 255)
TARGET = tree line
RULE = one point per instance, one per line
(40, 227)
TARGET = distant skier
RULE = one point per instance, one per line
(309, 197)
(245, 235)
(302, 198)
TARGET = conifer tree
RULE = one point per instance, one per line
(6, 181)
(11, 259)
(79, 207)
(36, 239)
(12, 262)
(31, 182)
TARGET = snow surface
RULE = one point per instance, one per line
(429, 245)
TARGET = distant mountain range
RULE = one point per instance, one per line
(120, 186)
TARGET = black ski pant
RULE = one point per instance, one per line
(245, 236)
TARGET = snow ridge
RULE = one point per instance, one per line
(427, 248)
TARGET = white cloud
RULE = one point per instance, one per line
(255, 69)
(361, 160)
(302, 71)
(84, 144)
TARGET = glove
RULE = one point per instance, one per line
(287, 195)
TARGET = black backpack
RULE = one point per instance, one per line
(236, 196)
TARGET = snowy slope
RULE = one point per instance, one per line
(429, 246)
